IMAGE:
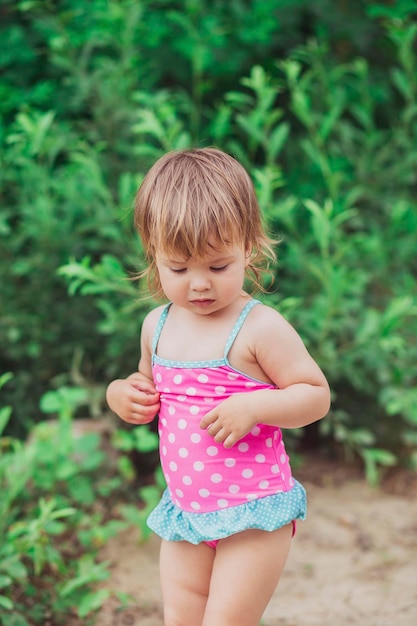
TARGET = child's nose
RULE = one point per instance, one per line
(200, 282)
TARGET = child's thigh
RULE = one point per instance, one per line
(246, 571)
(185, 572)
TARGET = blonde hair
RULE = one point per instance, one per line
(196, 198)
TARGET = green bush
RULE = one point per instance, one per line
(62, 499)
(59, 206)
(338, 183)
(318, 100)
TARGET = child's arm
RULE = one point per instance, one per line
(134, 399)
(302, 395)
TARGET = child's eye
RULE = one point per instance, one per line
(218, 269)
(178, 270)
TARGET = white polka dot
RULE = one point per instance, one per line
(163, 421)
(208, 399)
(230, 462)
(291, 481)
(173, 466)
(202, 378)
(232, 376)
(283, 458)
(181, 398)
(167, 478)
(171, 409)
(243, 447)
(187, 480)
(234, 488)
(195, 438)
(212, 451)
(194, 410)
(275, 469)
(195, 506)
(198, 466)
(167, 390)
(255, 431)
(171, 437)
(158, 378)
(216, 478)
(247, 473)
(191, 391)
(220, 390)
(178, 379)
(269, 442)
(264, 484)
(182, 424)
(250, 384)
(222, 503)
(251, 496)
(183, 452)
(204, 493)
(179, 493)
(260, 458)
(164, 450)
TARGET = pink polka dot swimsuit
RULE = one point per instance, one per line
(213, 491)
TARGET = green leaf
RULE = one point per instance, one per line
(6, 603)
(401, 81)
(277, 140)
(82, 490)
(123, 440)
(5, 413)
(16, 619)
(92, 602)
(63, 399)
(5, 581)
(4, 378)
(145, 439)
(374, 457)
(13, 566)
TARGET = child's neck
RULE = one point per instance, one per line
(188, 336)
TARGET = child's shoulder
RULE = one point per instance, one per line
(151, 320)
(155, 313)
(267, 315)
(267, 324)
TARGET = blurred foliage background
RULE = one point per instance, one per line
(319, 102)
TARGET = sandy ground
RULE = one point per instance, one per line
(353, 561)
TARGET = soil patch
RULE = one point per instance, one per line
(353, 561)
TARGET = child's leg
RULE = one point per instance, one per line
(245, 573)
(185, 580)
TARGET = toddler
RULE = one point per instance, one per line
(224, 373)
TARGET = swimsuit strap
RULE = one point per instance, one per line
(233, 334)
(238, 325)
(159, 327)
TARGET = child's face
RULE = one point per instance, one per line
(207, 285)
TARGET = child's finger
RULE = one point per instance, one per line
(147, 399)
(208, 419)
(145, 387)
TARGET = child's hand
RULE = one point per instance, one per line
(133, 399)
(230, 420)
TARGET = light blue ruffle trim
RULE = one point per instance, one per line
(268, 513)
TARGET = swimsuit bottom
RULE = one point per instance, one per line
(213, 544)
(268, 513)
